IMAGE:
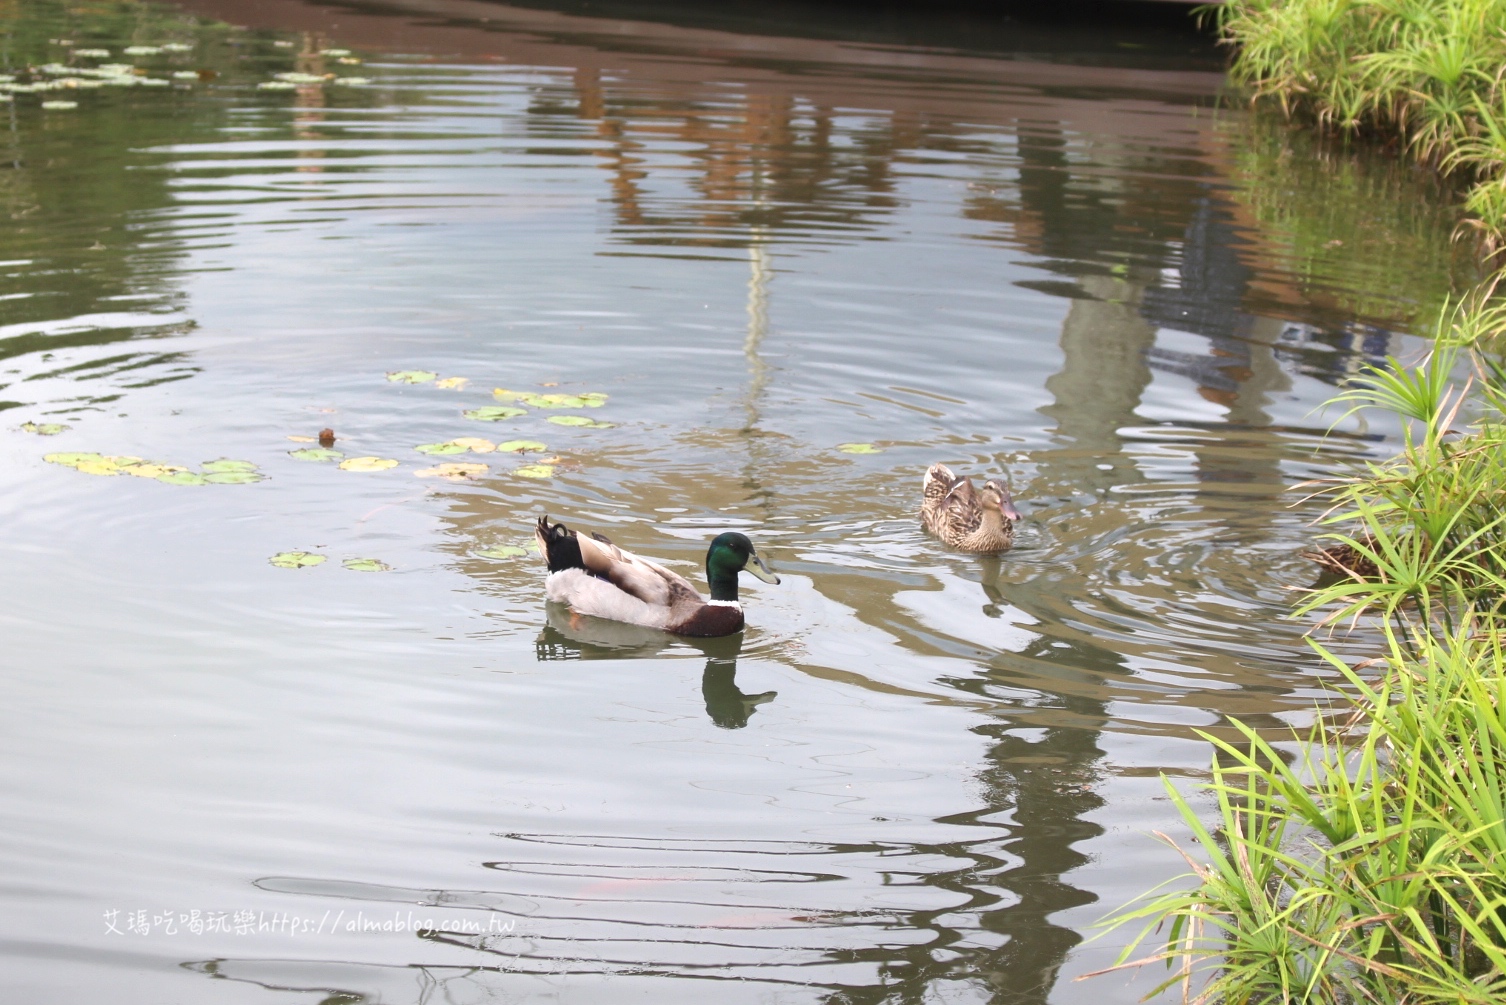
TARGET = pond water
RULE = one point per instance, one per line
(1037, 251)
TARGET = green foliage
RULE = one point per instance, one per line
(1427, 71)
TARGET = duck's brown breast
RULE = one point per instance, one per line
(710, 621)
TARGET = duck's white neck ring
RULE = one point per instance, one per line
(725, 603)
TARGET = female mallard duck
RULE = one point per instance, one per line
(965, 518)
(596, 577)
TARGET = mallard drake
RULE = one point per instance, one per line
(596, 577)
(964, 517)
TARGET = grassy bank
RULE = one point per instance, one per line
(1424, 74)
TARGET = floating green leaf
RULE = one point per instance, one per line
(366, 565)
(504, 551)
(59, 106)
(411, 376)
(295, 77)
(520, 446)
(182, 478)
(224, 464)
(494, 413)
(276, 85)
(71, 460)
(44, 428)
(295, 559)
(579, 420)
(368, 464)
(141, 50)
(233, 477)
(858, 448)
(455, 383)
(450, 447)
(536, 471)
(315, 454)
(453, 471)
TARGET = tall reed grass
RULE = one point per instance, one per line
(1428, 73)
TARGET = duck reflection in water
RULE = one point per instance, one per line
(569, 636)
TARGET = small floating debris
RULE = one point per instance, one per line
(176, 47)
(858, 448)
(282, 43)
(92, 53)
(295, 77)
(296, 559)
(142, 50)
(186, 75)
(334, 52)
(315, 454)
(276, 85)
(366, 565)
(536, 471)
(411, 376)
(350, 81)
(494, 413)
(59, 106)
(454, 471)
(579, 421)
(45, 428)
(326, 438)
(504, 551)
(367, 464)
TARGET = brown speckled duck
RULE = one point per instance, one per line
(596, 577)
(966, 518)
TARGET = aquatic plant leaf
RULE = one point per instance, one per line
(152, 470)
(411, 376)
(579, 421)
(72, 460)
(316, 454)
(449, 447)
(295, 77)
(520, 446)
(455, 471)
(350, 81)
(503, 551)
(475, 444)
(304, 439)
(276, 85)
(368, 464)
(176, 47)
(141, 50)
(452, 382)
(59, 106)
(233, 477)
(295, 559)
(366, 565)
(494, 413)
(185, 74)
(104, 467)
(45, 428)
(334, 52)
(858, 448)
(536, 471)
(182, 478)
(92, 53)
(225, 464)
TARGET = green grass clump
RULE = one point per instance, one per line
(1427, 72)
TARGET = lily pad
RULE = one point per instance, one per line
(452, 382)
(411, 376)
(233, 477)
(366, 565)
(276, 85)
(521, 446)
(92, 53)
(368, 464)
(45, 428)
(450, 447)
(176, 47)
(455, 471)
(315, 454)
(504, 551)
(71, 460)
(858, 448)
(182, 478)
(224, 464)
(536, 471)
(590, 399)
(304, 439)
(296, 559)
(60, 106)
(152, 470)
(580, 421)
(334, 52)
(185, 74)
(494, 413)
(141, 50)
(295, 77)
(104, 467)
(475, 444)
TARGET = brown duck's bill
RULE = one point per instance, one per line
(1010, 513)
(755, 565)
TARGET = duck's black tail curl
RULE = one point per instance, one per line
(558, 545)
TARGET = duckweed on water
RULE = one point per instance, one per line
(366, 565)
(494, 413)
(579, 421)
(368, 464)
(59, 106)
(318, 454)
(296, 559)
(411, 376)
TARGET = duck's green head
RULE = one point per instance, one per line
(729, 554)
